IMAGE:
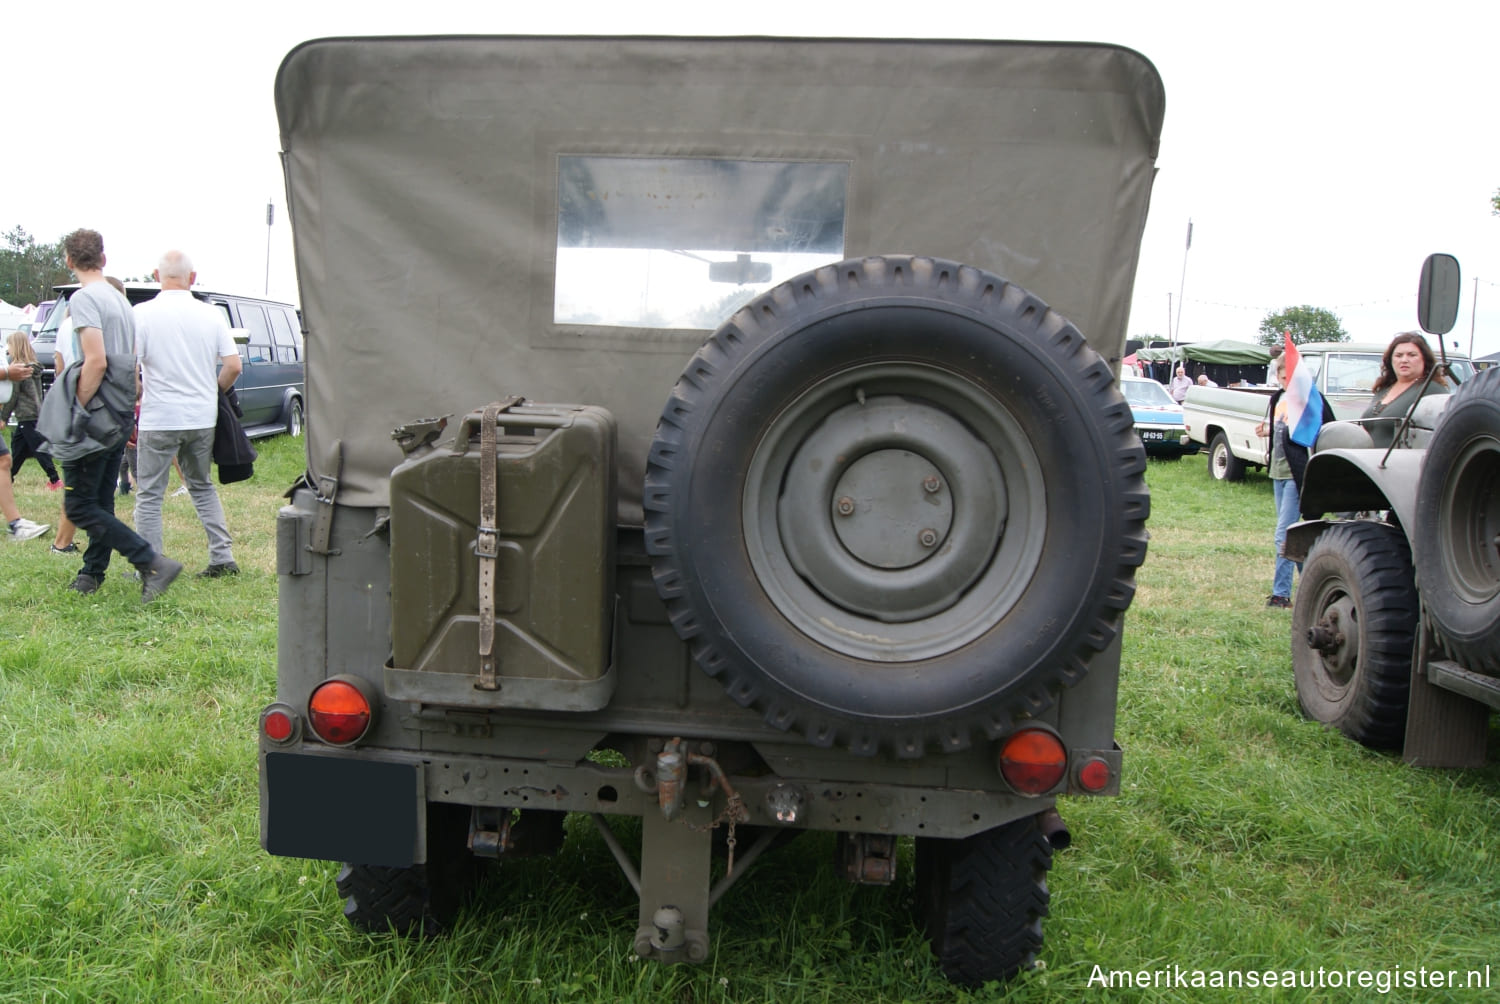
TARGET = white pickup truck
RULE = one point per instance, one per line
(1224, 419)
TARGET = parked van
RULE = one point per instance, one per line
(268, 334)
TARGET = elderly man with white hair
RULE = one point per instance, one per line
(186, 355)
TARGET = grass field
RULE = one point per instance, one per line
(1245, 837)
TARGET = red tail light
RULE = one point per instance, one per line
(339, 711)
(1094, 776)
(280, 724)
(1033, 761)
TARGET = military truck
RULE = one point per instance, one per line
(1396, 623)
(1225, 419)
(774, 498)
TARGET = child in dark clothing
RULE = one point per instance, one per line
(24, 405)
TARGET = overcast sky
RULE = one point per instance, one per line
(1321, 150)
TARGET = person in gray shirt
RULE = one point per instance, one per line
(106, 339)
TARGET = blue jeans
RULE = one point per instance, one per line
(1284, 491)
(89, 501)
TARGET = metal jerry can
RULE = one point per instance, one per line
(502, 562)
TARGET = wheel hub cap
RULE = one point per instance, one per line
(913, 506)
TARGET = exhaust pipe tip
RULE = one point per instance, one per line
(1054, 829)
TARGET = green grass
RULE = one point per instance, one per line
(1245, 837)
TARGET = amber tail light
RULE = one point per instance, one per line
(1033, 761)
(340, 711)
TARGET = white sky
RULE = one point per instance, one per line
(1321, 149)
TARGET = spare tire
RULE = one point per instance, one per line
(894, 502)
(1457, 532)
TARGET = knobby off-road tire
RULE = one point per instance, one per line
(420, 900)
(1223, 465)
(1457, 531)
(1357, 590)
(895, 502)
(982, 899)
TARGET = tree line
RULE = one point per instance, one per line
(29, 270)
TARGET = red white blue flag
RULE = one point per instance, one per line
(1304, 405)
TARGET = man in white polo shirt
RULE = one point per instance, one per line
(186, 355)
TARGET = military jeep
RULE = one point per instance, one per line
(689, 439)
(1396, 626)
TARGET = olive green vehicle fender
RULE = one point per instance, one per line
(1354, 481)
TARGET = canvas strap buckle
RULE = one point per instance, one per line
(327, 488)
(487, 538)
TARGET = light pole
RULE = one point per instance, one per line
(270, 215)
(1182, 285)
(1473, 313)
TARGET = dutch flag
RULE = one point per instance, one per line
(1304, 405)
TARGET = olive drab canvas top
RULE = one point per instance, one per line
(567, 218)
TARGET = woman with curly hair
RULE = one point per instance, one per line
(1403, 369)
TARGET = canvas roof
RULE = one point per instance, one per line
(1225, 352)
(423, 179)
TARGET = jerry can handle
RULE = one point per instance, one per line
(472, 423)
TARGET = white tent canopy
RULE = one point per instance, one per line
(11, 317)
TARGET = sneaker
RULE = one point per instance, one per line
(124, 487)
(217, 571)
(1278, 601)
(25, 529)
(53, 486)
(157, 576)
(180, 491)
(70, 549)
(84, 584)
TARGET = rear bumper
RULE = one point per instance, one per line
(1167, 440)
(369, 806)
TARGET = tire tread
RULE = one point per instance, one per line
(983, 899)
(1468, 636)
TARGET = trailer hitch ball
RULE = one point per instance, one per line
(669, 924)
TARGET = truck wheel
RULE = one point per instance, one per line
(419, 900)
(1222, 463)
(1353, 628)
(896, 501)
(1457, 531)
(982, 899)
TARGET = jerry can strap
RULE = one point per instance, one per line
(487, 538)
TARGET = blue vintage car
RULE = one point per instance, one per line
(1158, 419)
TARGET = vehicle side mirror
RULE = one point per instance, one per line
(1437, 294)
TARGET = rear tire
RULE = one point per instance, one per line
(1357, 592)
(1222, 463)
(1457, 532)
(419, 900)
(982, 899)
